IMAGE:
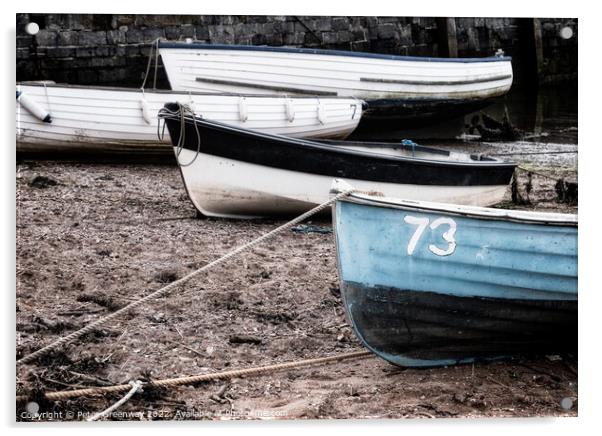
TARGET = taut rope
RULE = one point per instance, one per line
(166, 289)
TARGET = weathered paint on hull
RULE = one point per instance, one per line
(496, 288)
(410, 328)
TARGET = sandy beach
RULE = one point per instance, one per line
(93, 237)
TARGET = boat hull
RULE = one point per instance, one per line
(87, 119)
(489, 289)
(399, 87)
(229, 188)
(232, 172)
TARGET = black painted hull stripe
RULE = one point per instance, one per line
(266, 87)
(438, 82)
(357, 54)
(314, 158)
(402, 324)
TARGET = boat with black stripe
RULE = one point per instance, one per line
(233, 172)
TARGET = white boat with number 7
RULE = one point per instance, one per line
(429, 284)
(237, 173)
(55, 118)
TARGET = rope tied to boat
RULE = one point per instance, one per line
(173, 285)
(183, 110)
(154, 48)
(47, 97)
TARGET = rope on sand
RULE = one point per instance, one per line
(170, 287)
(136, 386)
(537, 173)
(188, 380)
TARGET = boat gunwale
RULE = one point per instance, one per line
(493, 162)
(342, 53)
(186, 93)
(477, 212)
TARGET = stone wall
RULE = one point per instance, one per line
(113, 49)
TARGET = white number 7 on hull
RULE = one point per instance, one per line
(422, 223)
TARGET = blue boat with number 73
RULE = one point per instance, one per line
(430, 284)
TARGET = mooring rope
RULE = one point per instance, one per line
(47, 99)
(537, 173)
(166, 289)
(154, 47)
(534, 153)
(136, 386)
(183, 109)
(189, 380)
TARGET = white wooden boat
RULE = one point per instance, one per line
(54, 118)
(237, 173)
(394, 86)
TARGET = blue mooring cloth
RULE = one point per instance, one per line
(411, 143)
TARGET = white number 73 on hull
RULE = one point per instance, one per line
(423, 223)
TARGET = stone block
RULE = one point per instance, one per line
(288, 27)
(24, 41)
(68, 37)
(340, 23)
(274, 39)
(92, 38)
(310, 39)
(405, 35)
(133, 50)
(258, 39)
(23, 53)
(360, 45)
(116, 37)
(359, 35)
(323, 24)
(329, 37)
(47, 37)
(85, 52)
(151, 34)
(60, 52)
(387, 31)
(344, 36)
(297, 38)
(105, 51)
(388, 20)
(134, 36)
(87, 76)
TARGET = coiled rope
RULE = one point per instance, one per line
(188, 380)
(170, 287)
(183, 110)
